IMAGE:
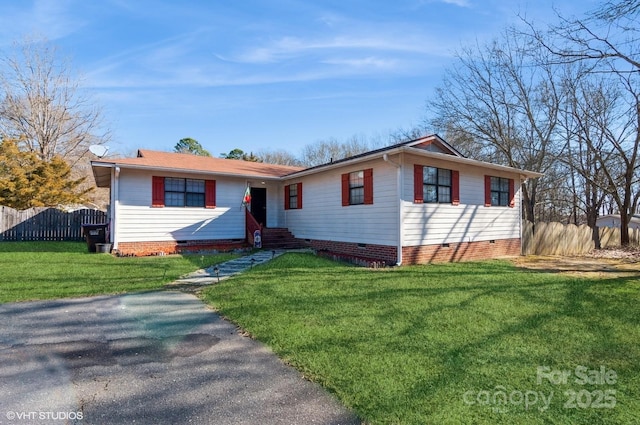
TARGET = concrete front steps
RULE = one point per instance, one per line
(280, 238)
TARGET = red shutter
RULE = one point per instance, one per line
(487, 191)
(287, 191)
(455, 187)
(345, 190)
(299, 196)
(418, 178)
(157, 191)
(368, 186)
(512, 194)
(210, 194)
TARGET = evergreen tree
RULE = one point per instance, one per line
(241, 155)
(27, 181)
(192, 146)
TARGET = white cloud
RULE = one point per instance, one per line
(461, 3)
(199, 58)
(364, 63)
(289, 47)
(51, 20)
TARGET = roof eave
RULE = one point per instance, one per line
(101, 177)
(183, 170)
(341, 163)
(473, 162)
(414, 151)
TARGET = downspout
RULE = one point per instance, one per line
(520, 224)
(115, 201)
(385, 157)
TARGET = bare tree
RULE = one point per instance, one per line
(612, 11)
(589, 108)
(503, 106)
(622, 140)
(279, 157)
(42, 104)
(606, 43)
(608, 37)
(326, 151)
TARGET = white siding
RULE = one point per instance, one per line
(614, 221)
(323, 217)
(427, 224)
(138, 221)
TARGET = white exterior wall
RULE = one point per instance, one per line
(138, 221)
(608, 221)
(275, 200)
(275, 205)
(323, 217)
(614, 221)
(471, 221)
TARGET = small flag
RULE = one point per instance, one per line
(247, 197)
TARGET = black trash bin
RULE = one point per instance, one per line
(93, 234)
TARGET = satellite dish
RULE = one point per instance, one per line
(98, 150)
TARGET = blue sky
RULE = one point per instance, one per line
(256, 74)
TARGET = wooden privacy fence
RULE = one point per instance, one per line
(46, 224)
(568, 239)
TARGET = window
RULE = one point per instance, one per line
(293, 196)
(183, 192)
(357, 187)
(499, 191)
(436, 185)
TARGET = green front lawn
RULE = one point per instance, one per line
(469, 343)
(45, 270)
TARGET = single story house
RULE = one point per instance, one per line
(413, 202)
(613, 220)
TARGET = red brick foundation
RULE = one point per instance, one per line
(424, 254)
(465, 251)
(140, 249)
(384, 253)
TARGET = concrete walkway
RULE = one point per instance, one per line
(203, 277)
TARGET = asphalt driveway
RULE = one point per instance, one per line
(147, 358)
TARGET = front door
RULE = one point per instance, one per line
(259, 204)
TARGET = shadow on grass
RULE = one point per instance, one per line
(404, 345)
(57, 270)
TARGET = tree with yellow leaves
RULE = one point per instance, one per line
(27, 181)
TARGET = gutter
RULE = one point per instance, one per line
(522, 182)
(333, 165)
(398, 167)
(473, 162)
(183, 171)
(413, 151)
(339, 164)
(115, 204)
